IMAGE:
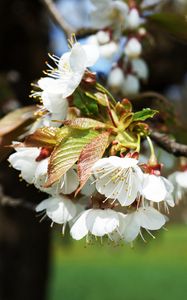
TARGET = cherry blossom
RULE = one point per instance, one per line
(146, 217)
(98, 222)
(118, 178)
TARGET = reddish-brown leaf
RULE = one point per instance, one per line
(84, 123)
(89, 155)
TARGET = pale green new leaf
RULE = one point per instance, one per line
(66, 154)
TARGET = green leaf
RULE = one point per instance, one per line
(84, 123)
(127, 139)
(144, 114)
(87, 105)
(173, 23)
(91, 153)
(66, 154)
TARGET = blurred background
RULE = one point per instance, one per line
(36, 262)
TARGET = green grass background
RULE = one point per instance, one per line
(156, 270)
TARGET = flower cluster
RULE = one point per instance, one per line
(86, 159)
(127, 36)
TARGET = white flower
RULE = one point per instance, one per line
(24, 160)
(35, 172)
(133, 19)
(116, 79)
(139, 67)
(148, 218)
(179, 180)
(107, 12)
(98, 222)
(106, 50)
(103, 37)
(118, 178)
(59, 209)
(156, 188)
(71, 67)
(53, 102)
(131, 85)
(133, 48)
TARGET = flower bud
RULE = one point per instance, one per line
(133, 19)
(139, 67)
(131, 85)
(108, 50)
(133, 48)
(103, 37)
(116, 79)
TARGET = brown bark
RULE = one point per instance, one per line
(24, 243)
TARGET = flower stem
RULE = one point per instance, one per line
(151, 146)
(138, 144)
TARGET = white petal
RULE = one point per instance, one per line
(181, 179)
(101, 4)
(92, 54)
(115, 161)
(79, 228)
(129, 192)
(170, 200)
(133, 19)
(65, 211)
(25, 161)
(45, 83)
(118, 178)
(130, 228)
(103, 37)
(64, 85)
(77, 58)
(154, 188)
(47, 203)
(42, 168)
(133, 48)
(168, 185)
(101, 222)
(89, 188)
(109, 50)
(131, 85)
(150, 218)
(54, 103)
(116, 78)
(71, 182)
(140, 67)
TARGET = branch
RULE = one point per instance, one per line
(169, 144)
(9, 201)
(57, 18)
(151, 94)
(67, 28)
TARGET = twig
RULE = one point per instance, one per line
(169, 144)
(151, 94)
(14, 202)
(57, 18)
